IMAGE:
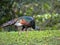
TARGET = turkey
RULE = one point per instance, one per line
(24, 21)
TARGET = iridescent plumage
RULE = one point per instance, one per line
(24, 21)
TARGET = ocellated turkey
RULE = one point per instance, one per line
(24, 21)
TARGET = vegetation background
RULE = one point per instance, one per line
(46, 12)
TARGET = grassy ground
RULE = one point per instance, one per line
(46, 37)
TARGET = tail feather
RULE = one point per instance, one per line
(9, 22)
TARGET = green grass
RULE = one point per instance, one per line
(46, 37)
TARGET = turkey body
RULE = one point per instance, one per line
(24, 21)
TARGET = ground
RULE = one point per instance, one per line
(46, 37)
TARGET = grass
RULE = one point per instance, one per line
(46, 37)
